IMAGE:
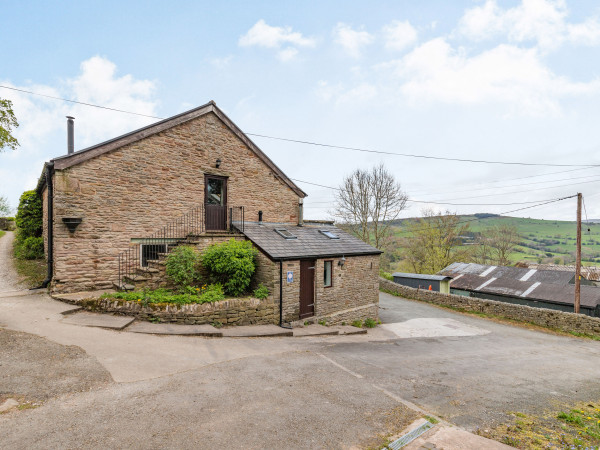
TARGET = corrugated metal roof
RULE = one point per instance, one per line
(419, 276)
(589, 273)
(545, 285)
(309, 242)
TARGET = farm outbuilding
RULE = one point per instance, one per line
(439, 283)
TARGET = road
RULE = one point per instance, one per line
(104, 388)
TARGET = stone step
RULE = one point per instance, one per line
(147, 270)
(124, 287)
(158, 262)
(136, 278)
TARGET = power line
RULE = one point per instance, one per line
(81, 103)
(440, 203)
(318, 144)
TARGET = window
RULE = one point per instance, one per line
(327, 275)
(285, 233)
(330, 234)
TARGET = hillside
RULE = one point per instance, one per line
(553, 241)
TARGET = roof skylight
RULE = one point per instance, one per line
(330, 234)
(285, 233)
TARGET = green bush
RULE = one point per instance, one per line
(29, 215)
(208, 294)
(357, 323)
(261, 291)
(29, 248)
(386, 275)
(370, 323)
(182, 266)
(231, 264)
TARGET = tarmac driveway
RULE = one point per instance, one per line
(471, 371)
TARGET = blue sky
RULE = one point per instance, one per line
(514, 81)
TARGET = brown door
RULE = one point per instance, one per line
(307, 288)
(215, 202)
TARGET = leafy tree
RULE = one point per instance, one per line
(496, 244)
(231, 264)
(435, 242)
(367, 202)
(5, 208)
(29, 215)
(8, 121)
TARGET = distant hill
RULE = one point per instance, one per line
(551, 241)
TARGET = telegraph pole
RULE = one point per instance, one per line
(578, 258)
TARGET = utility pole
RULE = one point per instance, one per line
(578, 258)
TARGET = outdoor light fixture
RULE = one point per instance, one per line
(72, 223)
(341, 262)
(218, 163)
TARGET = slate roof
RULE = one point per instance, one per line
(545, 285)
(309, 242)
(418, 276)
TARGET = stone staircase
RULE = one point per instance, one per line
(154, 275)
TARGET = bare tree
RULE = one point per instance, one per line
(5, 208)
(367, 202)
(496, 244)
(435, 242)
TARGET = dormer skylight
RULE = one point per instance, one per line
(330, 234)
(285, 233)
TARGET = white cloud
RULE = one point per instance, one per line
(541, 21)
(352, 41)
(399, 35)
(42, 130)
(506, 74)
(263, 35)
(341, 95)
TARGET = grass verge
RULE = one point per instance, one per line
(501, 319)
(2, 233)
(574, 427)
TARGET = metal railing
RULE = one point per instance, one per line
(170, 236)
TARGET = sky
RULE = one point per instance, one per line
(513, 81)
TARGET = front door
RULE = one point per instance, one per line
(307, 288)
(215, 202)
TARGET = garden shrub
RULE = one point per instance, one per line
(29, 215)
(261, 291)
(231, 264)
(207, 294)
(182, 266)
(370, 323)
(30, 248)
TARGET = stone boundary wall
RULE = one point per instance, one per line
(551, 318)
(235, 311)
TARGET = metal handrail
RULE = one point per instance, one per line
(170, 236)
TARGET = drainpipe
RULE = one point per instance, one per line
(50, 226)
(281, 296)
(300, 212)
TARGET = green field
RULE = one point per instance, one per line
(551, 241)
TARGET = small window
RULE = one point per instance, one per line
(285, 233)
(330, 234)
(328, 267)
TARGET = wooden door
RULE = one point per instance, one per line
(307, 288)
(215, 202)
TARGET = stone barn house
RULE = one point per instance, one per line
(114, 210)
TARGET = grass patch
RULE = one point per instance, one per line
(31, 271)
(432, 420)
(574, 428)
(2, 233)
(206, 294)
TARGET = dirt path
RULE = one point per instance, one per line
(9, 280)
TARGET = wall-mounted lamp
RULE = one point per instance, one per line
(341, 262)
(218, 163)
(72, 223)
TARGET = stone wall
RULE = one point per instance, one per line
(135, 190)
(560, 320)
(236, 311)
